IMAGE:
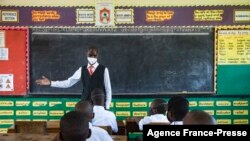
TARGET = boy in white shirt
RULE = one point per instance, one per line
(102, 117)
(156, 114)
(96, 133)
(178, 107)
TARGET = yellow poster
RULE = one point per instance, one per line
(123, 113)
(223, 121)
(54, 103)
(139, 104)
(6, 103)
(56, 113)
(40, 113)
(70, 104)
(223, 112)
(233, 47)
(140, 113)
(193, 104)
(240, 112)
(240, 103)
(39, 103)
(22, 103)
(6, 112)
(122, 104)
(3, 130)
(23, 112)
(223, 103)
(241, 121)
(206, 103)
(6, 121)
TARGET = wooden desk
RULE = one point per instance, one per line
(26, 137)
(52, 127)
(119, 138)
(132, 126)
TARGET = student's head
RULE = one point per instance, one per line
(198, 117)
(74, 126)
(85, 107)
(98, 97)
(178, 107)
(92, 55)
(158, 106)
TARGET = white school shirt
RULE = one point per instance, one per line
(153, 118)
(77, 77)
(104, 118)
(98, 134)
(177, 123)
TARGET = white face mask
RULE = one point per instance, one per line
(92, 60)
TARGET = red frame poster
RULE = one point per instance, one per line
(14, 61)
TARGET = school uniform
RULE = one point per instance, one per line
(104, 118)
(98, 79)
(177, 123)
(152, 118)
(98, 134)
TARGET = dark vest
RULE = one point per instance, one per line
(92, 82)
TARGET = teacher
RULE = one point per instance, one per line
(93, 75)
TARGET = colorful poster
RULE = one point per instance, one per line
(104, 14)
(6, 82)
(233, 47)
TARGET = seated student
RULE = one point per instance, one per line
(102, 117)
(178, 107)
(157, 113)
(73, 127)
(198, 117)
(97, 134)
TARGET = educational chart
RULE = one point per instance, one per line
(233, 60)
(233, 47)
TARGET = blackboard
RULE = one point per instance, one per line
(145, 63)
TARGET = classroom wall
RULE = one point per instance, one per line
(227, 109)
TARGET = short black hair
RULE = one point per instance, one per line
(160, 105)
(98, 97)
(74, 126)
(198, 117)
(179, 107)
(84, 107)
(93, 49)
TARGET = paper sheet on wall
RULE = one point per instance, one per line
(2, 38)
(4, 53)
(6, 82)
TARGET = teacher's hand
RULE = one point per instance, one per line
(43, 81)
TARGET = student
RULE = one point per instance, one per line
(178, 107)
(73, 127)
(198, 117)
(102, 117)
(93, 75)
(157, 113)
(97, 134)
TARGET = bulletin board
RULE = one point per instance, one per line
(13, 61)
(233, 60)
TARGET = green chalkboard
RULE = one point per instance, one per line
(233, 80)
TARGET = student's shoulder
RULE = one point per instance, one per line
(98, 130)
